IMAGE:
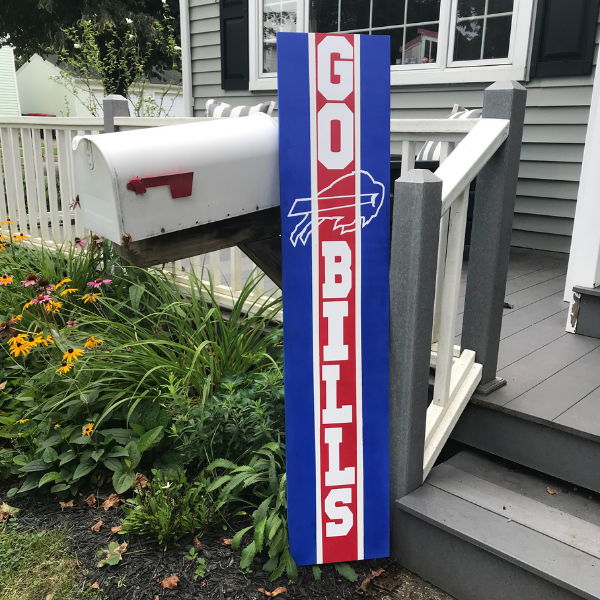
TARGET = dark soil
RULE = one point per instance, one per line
(145, 564)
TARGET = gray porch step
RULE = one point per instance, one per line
(481, 528)
(567, 452)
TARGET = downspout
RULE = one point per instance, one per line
(186, 57)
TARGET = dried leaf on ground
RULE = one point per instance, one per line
(140, 481)
(368, 578)
(170, 583)
(386, 583)
(116, 529)
(112, 501)
(95, 586)
(7, 511)
(275, 592)
(91, 501)
(408, 596)
(552, 491)
(225, 542)
(111, 555)
(197, 543)
(98, 526)
(64, 505)
(3, 385)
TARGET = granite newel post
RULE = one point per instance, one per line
(491, 233)
(114, 106)
(415, 229)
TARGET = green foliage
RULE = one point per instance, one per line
(112, 555)
(199, 563)
(34, 564)
(169, 508)
(346, 571)
(265, 477)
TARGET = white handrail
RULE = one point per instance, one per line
(469, 157)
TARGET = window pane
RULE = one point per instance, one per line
(278, 15)
(499, 6)
(388, 12)
(471, 8)
(467, 42)
(396, 41)
(497, 37)
(421, 45)
(419, 11)
(355, 14)
(324, 16)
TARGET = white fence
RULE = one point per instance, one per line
(37, 192)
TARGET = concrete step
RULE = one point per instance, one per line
(482, 528)
(568, 453)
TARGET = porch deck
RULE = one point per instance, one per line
(548, 415)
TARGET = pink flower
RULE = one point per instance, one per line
(28, 282)
(98, 282)
(72, 323)
(41, 299)
(80, 242)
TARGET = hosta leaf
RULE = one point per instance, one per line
(60, 487)
(134, 454)
(50, 455)
(117, 452)
(123, 479)
(121, 436)
(20, 459)
(30, 483)
(112, 463)
(35, 465)
(97, 454)
(66, 457)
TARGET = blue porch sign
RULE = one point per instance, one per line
(334, 124)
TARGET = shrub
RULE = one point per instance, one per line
(169, 508)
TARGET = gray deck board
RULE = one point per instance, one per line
(552, 376)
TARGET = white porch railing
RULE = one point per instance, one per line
(37, 191)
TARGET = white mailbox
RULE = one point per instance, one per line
(134, 185)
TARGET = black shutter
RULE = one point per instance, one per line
(235, 54)
(563, 43)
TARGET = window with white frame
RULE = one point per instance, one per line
(432, 41)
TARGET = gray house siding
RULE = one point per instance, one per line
(553, 139)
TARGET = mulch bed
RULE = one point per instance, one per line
(145, 564)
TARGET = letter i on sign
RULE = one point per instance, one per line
(335, 214)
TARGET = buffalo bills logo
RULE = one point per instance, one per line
(337, 206)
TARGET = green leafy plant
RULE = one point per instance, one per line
(199, 563)
(265, 476)
(112, 555)
(169, 508)
(346, 571)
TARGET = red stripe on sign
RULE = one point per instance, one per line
(337, 285)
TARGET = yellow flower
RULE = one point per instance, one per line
(19, 434)
(57, 426)
(88, 430)
(22, 421)
(92, 342)
(3, 223)
(6, 279)
(17, 318)
(64, 369)
(20, 237)
(20, 348)
(28, 304)
(72, 354)
(52, 306)
(2, 247)
(90, 298)
(22, 337)
(68, 291)
(62, 282)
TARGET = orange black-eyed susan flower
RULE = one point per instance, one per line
(62, 282)
(2, 247)
(72, 354)
(90, 298)
(3, 223)
(88, 430)
(21, 421)
(40, 339)
(68, 291)
(64, 369)
(20, 347)
(6, 279)
(53, 307)
(20, 237)
(93, 342)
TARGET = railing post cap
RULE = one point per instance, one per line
(419, 176)
(115, 97)
(505, 85)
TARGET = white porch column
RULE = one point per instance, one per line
(584, 260)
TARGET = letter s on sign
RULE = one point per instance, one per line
(338, 513)
(341, 68)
